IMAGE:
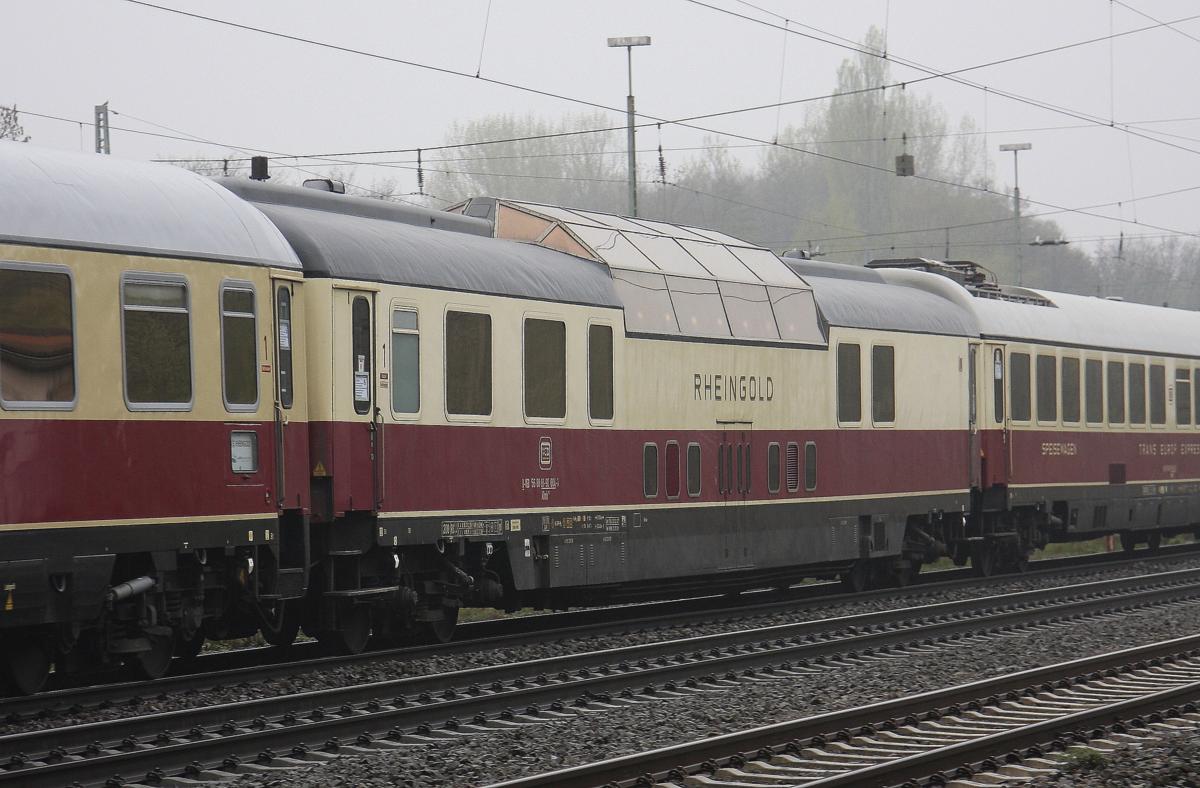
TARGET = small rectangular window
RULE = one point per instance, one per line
(37, 338)
(1094, 391)
(468, 364)
(883, 384)
(545, 369)
(239, 347)
(1047, 388)
(773, 467)
(672, 469)
(1070, 390)
(1158, 394)
(283, 317)
(849, 383)
(158, 343)
(1116, 392)
(998, 384)
(693, 469)
(406, 361)
(1018, 377)
(650, 470)
(793, 467)
(810, 466)
(600, 372)
(1183, 397)
(1137, 393)
(360, 353)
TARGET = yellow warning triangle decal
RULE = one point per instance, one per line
(320, 469)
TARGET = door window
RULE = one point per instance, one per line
(360, 343)
(283, 312)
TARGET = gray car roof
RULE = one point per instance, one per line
(369, 240)
(91, 201)
(855, 297)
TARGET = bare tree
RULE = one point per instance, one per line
(10, 125)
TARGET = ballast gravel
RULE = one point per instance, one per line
(388, 669)
(1169, 760)
(489, 758)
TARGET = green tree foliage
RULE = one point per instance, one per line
(10, 125)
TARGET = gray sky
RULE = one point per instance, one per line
(240, 88)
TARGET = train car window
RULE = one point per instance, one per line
(650, 470)
(468, 364)
(360, 353)
(998, 385)
(883, 384)
(1047, 388)
(1070, 390)
(672, 469)
(647, 302)
(239, 347)
(283, 319)
(600, 372)
(1094, 391)
(1137, 393)
(749, 311)
(545, 369)
(1158, 394)
(406, 361)
(810, 466)
(1018, 381)
(693, 469)
(156, 319)
(37, 339)
(1116, 392)
(849, 382)
(1183, 397)
(698, 307)
(793, 467)
(1196, 394)
(773, 467)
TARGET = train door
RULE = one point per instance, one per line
(357, 430)
(973, 449)
(735, 481)
(995, 436)
(291, 441)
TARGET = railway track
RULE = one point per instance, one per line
(246, 666)
(282, 732)
(968, 735)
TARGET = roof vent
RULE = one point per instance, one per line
(325, 185)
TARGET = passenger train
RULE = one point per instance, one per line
(230, 408)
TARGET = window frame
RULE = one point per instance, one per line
(241, 286)
(810, 466)
(477, 418)
(699, 469)
(775, 481)
(657, 470)
(1151, 401)
(1130, 363)
(1062, 389)
(546, 317)
(1108, 419)
(883, 422)
(393, 308)
(837, 374)
(1186, 378)
(1102, 405)
(278, 288)
(610, 325)
(1029, 356)
(1055, 372)
(25, 405)
(156, 278)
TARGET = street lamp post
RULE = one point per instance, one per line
(1017, 147)
(629, 42)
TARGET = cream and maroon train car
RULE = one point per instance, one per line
(1090, 424)
(140, 473)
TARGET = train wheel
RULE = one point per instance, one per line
(443, 630)
(857, 577)
(153, 664)
(1154, 540)
(353, 633)
(983, 558)
(26, 665)
(1128, 541)
(902, 577)
(188, 647)
(281, 624)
